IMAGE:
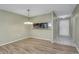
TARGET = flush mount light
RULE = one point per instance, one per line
(28, 22)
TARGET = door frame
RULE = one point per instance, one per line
(70, 27)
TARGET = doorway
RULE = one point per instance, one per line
(64, 32)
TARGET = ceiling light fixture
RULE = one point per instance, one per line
(28, 22)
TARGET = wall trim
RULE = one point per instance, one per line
(43, 39)
(25, 38)
(13, 41)
(77, 47)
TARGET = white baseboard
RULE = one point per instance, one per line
(25, 38)
(77, 47)
(13, 41)
(44, 39)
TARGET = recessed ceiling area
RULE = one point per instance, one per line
(39, 9)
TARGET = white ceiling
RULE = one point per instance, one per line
(38, 9)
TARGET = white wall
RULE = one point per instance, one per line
(12, 27)
(76, 30)
(75, 23)
(46, 34)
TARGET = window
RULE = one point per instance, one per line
(64, 27)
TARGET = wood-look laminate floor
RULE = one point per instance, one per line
(36, 46)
